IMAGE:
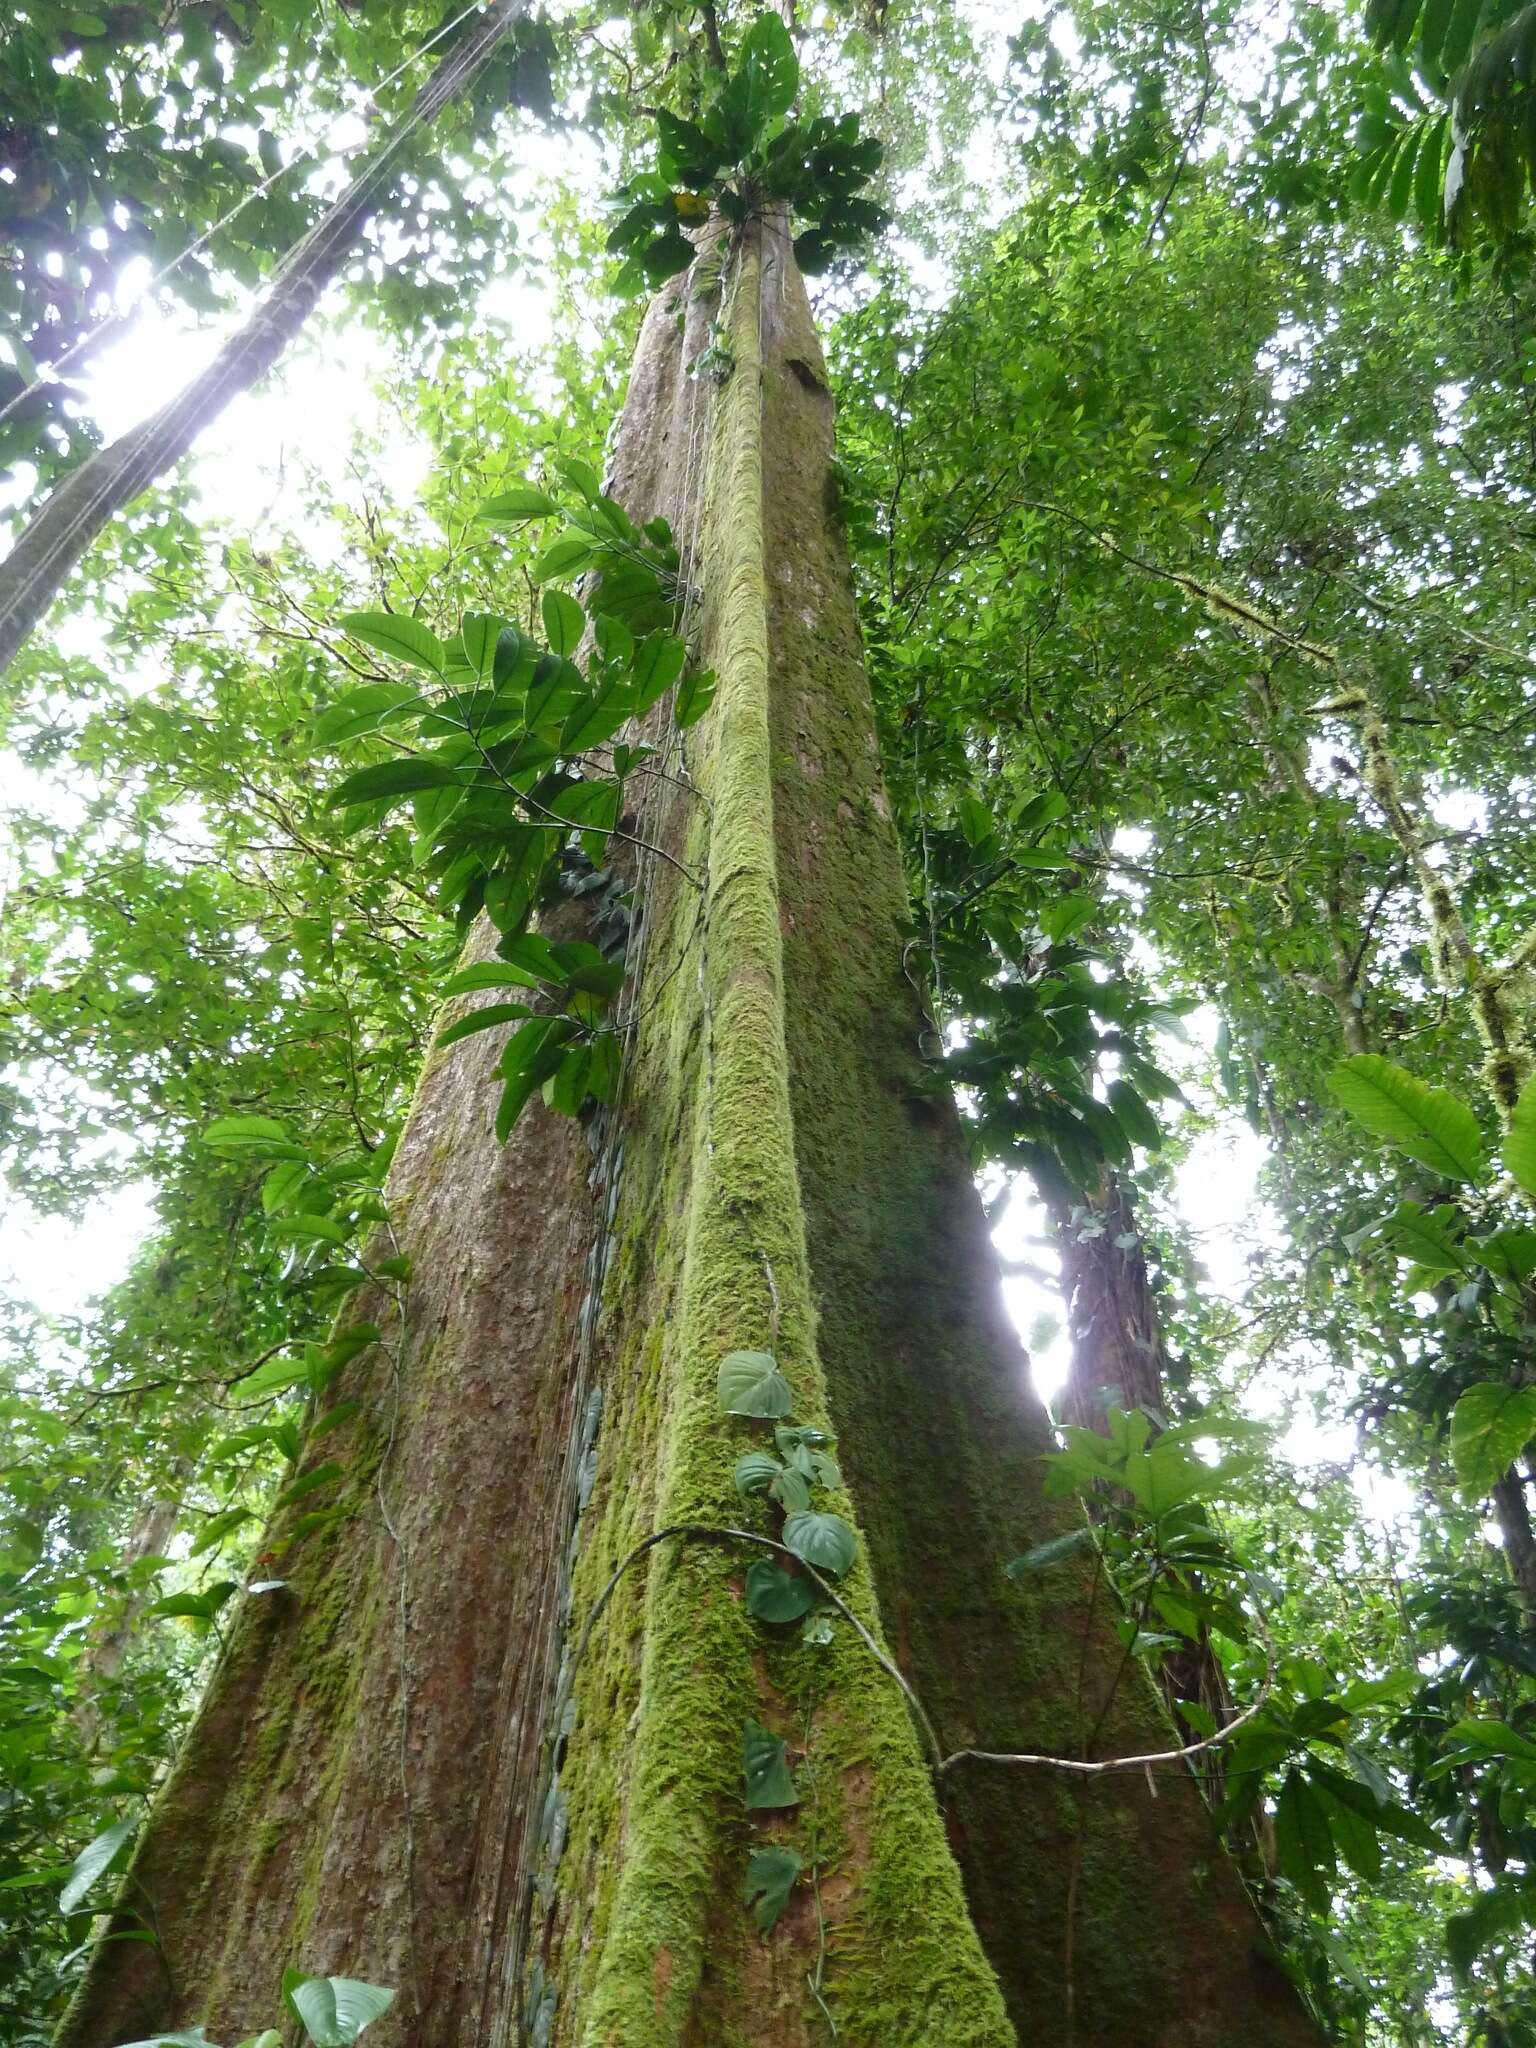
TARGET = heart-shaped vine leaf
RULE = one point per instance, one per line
(751, 1384)
(776, 1595)
(770, 1782)
(825, 1541)
(756, 1472)
(771, 1875)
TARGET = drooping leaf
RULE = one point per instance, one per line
(1070, 1544)
(94, 1861)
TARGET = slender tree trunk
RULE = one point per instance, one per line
(106, 1646)
(497, 1763)
(1119, 1360)
(82, 506)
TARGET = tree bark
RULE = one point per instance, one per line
(498, 1765)
(80, 508)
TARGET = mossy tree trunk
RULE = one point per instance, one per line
(404, 1771)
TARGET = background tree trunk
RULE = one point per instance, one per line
(84, 504)
(385, 1780)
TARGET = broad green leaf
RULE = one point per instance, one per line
(513, 508)
(403, 638)
(1493, 1738)
(565, 558)
(1051, 1552)
(776, 1595)
(659, 661)
(194, 2037)
(334, 2010)
(405, 777)
(770, 1879)
(483, 1019)
(365, 710)
(1490, 1426)
(564, 621)
(598, 716)
(1305, 1841)
(1520, 1139)
(533, 1053)
(195, 1606)
(492, 974)
(1429, 1124)
(770, 1782)
(824, 1541)
(95, 1860)
(695, 694)
(756, 1472)
(261, 1136)
(1138, 1122)
(750, 1383)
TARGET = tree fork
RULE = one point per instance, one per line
(358, 1792)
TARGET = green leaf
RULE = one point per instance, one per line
(532, 1055)
(1051, 1552)
(405, 639)
(495, 974)
(564, 621)
(1493, 1738)
(695, 694)
(770, 1783)
(1490, 1426)
(598, 716)
(364, 710)
(513, 508)
(824, 1541)
(750, 1383)
(770, 1879)
(776, 1595)
(483, 1019)
(566, 557)
(94, 1861)
(1133, 1115)
(194, 2037)
(195, 1606)
(334, 2010)
(397, 778)
(1305, 1841)
(659, 661)
(1429, 1124)
(262, 1136)
(1520, 1139)
(756, 1472)
(769, 70)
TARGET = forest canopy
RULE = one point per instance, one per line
(1184, 367)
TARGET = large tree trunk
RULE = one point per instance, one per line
(388, 1779)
